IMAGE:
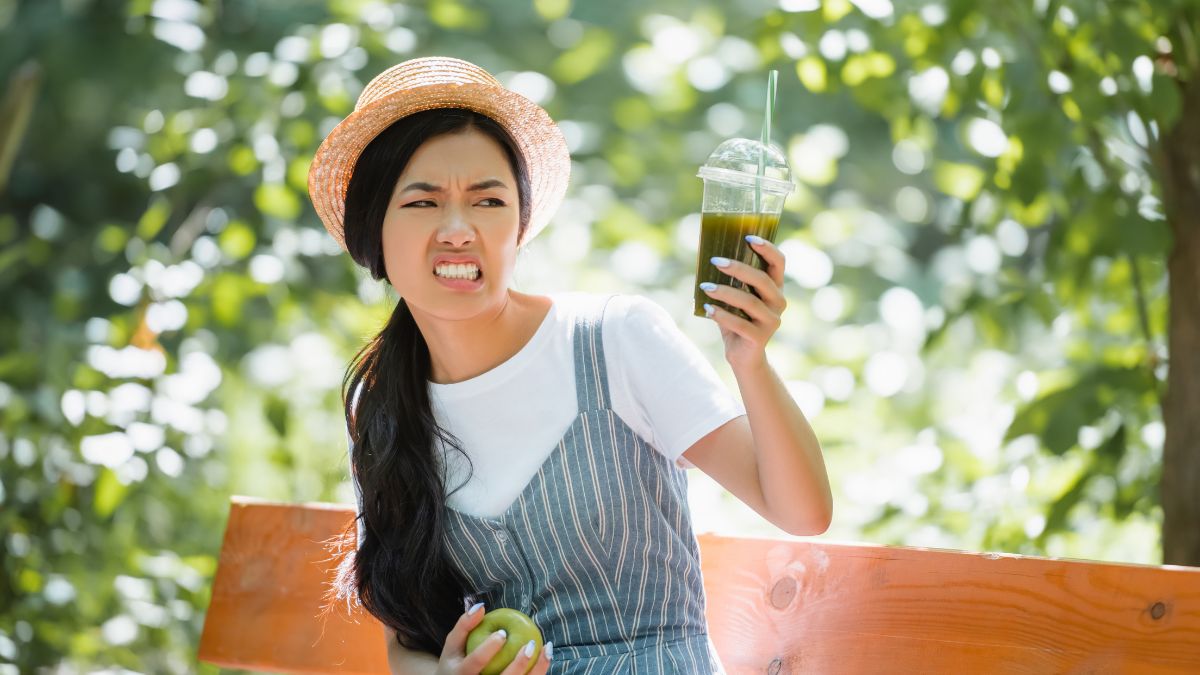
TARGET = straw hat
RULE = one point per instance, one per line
(440, 82)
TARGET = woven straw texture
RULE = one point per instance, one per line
(440, 82)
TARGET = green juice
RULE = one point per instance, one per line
(724, 234)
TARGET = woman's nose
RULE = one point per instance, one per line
(455, 230)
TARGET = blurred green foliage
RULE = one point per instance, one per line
(976, 265)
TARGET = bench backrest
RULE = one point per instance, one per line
(774, 606)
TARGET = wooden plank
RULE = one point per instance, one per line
(774, 606)
(812, 607)
(265, 610)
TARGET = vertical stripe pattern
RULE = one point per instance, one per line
(598, 548)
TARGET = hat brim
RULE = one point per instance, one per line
(537, 137)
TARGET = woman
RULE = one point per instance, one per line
(526, 451)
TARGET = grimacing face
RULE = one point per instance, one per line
(450, 233)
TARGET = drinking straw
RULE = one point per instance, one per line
(772, 79)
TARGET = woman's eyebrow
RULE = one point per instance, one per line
(486, 184)
(423, 187)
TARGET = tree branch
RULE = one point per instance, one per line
(15, 111)
(1139, 294)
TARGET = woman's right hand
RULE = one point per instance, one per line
(455, 660)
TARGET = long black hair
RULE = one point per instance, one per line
(401, 571)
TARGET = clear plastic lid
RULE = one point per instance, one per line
(736, 162)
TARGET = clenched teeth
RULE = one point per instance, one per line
(458, 271)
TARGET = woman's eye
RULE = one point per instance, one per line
(424, 203)
(492, 201)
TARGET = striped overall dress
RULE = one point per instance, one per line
(598, 548)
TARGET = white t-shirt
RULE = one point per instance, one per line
(509, 419)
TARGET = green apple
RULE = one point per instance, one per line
(520, 628)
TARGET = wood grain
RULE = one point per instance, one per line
(265, 612)
(774, 606)
(813, 607)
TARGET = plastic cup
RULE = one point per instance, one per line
(738, 201)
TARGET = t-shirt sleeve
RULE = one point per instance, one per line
(663, 386)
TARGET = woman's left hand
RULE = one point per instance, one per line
(746, 340)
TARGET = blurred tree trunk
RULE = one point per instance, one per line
(1180, 166)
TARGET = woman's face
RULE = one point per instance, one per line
(450, 233)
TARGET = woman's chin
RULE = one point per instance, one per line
(448, 304)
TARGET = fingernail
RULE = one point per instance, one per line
(755, 240)
(549, 649)
(475, 608)
(503, 634)
(529, 649)
(720, 262)
(708, 287)
(709, 310)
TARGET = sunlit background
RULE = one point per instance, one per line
(975, 267)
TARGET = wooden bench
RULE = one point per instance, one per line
(774, 606)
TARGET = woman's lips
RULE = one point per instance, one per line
(461, 284)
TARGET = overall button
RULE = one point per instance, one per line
(501, 536)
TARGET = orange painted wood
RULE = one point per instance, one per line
(265, 612)
(813, 607)
(774, 606)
